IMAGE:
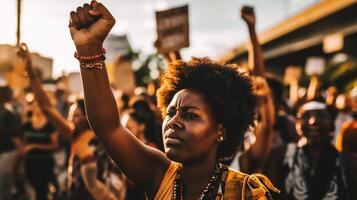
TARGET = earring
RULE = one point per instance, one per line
(220, 138)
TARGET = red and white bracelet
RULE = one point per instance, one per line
(92, 62)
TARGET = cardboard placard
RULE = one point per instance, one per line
(172, 29)
(292, 73)
(315, 66)
(333, 42)
(117, 45)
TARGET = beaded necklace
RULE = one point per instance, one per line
(208, 192)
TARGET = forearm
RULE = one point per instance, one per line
(44, 102)
(264, 132)
(40, 94)
(268, 112)
(51, 112)
(102, 112)
(257, 59)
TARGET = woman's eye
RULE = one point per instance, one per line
(191, 116)
(171, 113)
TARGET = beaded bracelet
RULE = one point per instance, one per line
(101, 54)
(92, 62)
(98, 64)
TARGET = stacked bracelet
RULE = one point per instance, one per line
(92, 62)
(96, 64)
(101, 54)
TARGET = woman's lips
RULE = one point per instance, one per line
(170, 141)
(172, 138)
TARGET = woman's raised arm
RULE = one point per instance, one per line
(50, 111)
(256, 59)
(89, 26)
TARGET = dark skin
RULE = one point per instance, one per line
(260, 150)
(247, 14)
(190, 137)
(316, 126)
(63, 125)
(142, 164)
(263, 130)
(76, 119)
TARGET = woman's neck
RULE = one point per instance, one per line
(38, 120)
(195, 177)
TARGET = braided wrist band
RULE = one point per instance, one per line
(92, 62)
(101, 54)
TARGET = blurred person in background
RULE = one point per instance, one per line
(40, 141)
(255, 150)
(10, 142)
(122, 100)
(139, 119)
(150, 116)
(109, 173)
(346, 143)
(284, 123)
(82, 181)
(312, 168)
(343, 107)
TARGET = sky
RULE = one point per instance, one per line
(215, 25)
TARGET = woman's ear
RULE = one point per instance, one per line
(221, 135)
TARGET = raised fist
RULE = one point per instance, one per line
(247, 13)
(89, 26)
(24, 53)
(261, 86)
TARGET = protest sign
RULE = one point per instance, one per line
(292, 73)
(315, 66)
(117, 45)
(172, 29)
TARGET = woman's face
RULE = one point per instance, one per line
(76, 115)
(34, 110)
(131, 124)
(316, 125)
(189, 129)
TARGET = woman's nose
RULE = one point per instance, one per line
(175, 122)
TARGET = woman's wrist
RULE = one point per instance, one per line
(89, 50)
(91, 56)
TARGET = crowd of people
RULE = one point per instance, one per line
(211, 131)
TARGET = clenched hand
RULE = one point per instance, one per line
(89, 26)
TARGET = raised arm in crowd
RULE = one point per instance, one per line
(253, 160)
(197, 133)
(76, 130)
